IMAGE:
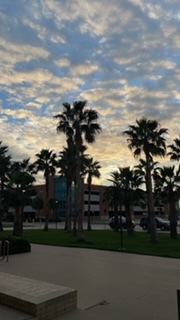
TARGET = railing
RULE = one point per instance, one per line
(4, 250)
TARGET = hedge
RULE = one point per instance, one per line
(16, 244)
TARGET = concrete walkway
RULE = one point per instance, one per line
(110, 285)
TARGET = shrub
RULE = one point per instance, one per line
(16, 244)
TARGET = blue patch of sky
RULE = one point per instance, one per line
(79, 46)
(4, 95)
(21, 34)
(175, 100)
(13, 7)
(15, 121)
(136, 82)
(32, 65)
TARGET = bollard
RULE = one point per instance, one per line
(178, 303)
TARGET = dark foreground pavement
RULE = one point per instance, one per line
(110, 285)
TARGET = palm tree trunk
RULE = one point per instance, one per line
(75, 211)
(80, 234)
(1, 206)
(116, 220)
(46, 205)
(89, 205)
(18, 223)
(173, 219)
(130, 230)
(46, 222)
(150, 202)
(69, 207)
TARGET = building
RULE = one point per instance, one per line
(58, 191)
(99, 206)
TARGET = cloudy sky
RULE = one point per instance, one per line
(122, 56)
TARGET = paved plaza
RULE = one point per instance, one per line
(110, 285)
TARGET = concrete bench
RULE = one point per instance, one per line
(43, 300)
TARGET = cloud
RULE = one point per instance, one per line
(11, 53)
(121, 56)
(34, 105)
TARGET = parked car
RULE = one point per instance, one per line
(124, 224)
(160, 224)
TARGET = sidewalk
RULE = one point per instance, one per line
(110, 285)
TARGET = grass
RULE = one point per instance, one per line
(107, 240)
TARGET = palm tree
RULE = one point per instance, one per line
(113, 195)
(67, 169)
(53, 204)
(147, 137)
(5, 162)
(167, 185)
(47, 163)
(79, 124)
(18, 193)
(37, 204)
(175, 150)
(129, 182)
(91, 170)
(141, 169)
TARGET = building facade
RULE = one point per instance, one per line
(58, 191)
(99, 207)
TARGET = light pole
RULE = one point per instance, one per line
(56, 203)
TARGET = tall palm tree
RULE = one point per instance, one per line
(167, 185)
(5, 162)
(148, 138)
(18, 192)
(91, 170)
(67, 169)
(79, 124)
(46, 163)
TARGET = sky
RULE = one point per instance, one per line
(122, 56)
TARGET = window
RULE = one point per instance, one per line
(91, 202)
(92, 192)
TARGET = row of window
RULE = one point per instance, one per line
(95, 193)
(92, 202)
(92, 213)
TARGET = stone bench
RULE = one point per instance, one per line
(43, 300)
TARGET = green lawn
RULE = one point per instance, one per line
(107, 240)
